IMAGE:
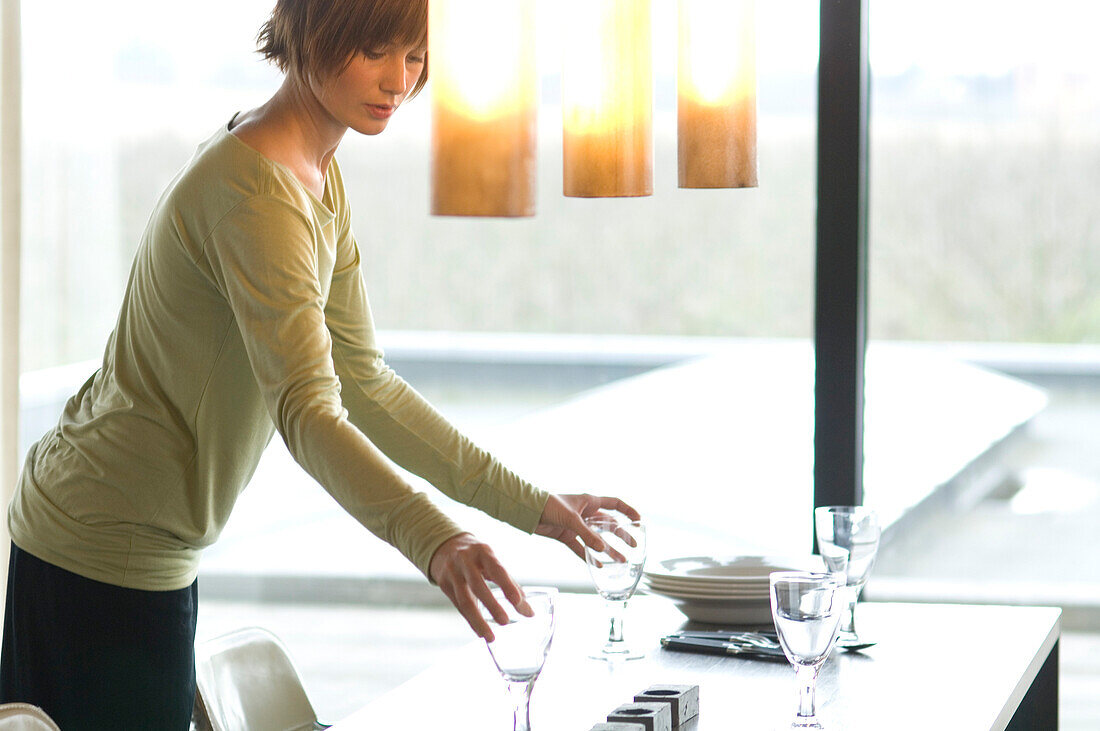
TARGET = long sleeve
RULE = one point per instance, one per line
(236, 322)
(271, 263)
(401, 422)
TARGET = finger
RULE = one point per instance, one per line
(625, 535)
(490, 603)
(570, 540)
(576, 546)
(490, 599)
(616, 555)
(468, 607)
(588, 535)
(474, 576)
(616, 504)
(594, 540)
(624, 538)
(512, 591)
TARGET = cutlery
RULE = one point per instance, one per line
(760, 639)
(717, 647)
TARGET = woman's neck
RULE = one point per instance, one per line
(293, 129)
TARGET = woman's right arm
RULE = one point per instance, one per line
(263, 258)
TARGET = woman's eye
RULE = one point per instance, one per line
(372, 54)
(416, 59)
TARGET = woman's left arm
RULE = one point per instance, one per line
(401, 422)
(412, 433)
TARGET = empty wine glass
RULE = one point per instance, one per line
(519, 648)
(806, 608)
(616, 572)
(848, 538)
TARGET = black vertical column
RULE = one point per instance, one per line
(840, 323)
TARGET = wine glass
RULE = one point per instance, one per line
(519, 647)
(616, 572)
(848, 537)
(806, 608)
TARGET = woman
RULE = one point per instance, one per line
(245, 312)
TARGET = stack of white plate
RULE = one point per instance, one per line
(723, 590)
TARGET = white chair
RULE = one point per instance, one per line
(247, 682)
(24, 717)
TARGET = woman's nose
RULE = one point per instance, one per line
(395, 80)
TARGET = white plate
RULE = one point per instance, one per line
(709, 612)
(760, 596)
(740, 586)
(743, 599)
(731, 570)
(706, 591)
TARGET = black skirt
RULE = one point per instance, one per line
(94, 655)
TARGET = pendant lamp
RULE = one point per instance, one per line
(716, 88)
(482, 56)
(607, 99)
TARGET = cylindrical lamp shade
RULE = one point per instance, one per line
(607, 100)
(482, 56)
(717, 94)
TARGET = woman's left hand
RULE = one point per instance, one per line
(563, 519)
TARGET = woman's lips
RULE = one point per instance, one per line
(381, 111)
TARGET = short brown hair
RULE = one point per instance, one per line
(322, 36)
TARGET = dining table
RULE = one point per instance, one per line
(933, 666)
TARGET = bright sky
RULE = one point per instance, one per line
(982, 36)
(952, 36)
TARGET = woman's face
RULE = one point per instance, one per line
(365, 95)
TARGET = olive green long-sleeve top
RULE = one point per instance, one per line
(245, 313)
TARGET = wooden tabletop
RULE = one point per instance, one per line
(936, 666)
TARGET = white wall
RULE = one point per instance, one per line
(10, 236)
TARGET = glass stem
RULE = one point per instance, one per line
(615, 633)
(848, 618)
(807, 682)
(520, 693)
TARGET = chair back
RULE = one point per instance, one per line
(247, 682)
(24, 717)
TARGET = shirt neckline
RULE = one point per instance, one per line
(228, 131)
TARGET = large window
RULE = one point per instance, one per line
(985, 172)
(116, 96)
(573, 298)
(984, 229)
(107, 127)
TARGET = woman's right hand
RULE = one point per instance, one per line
(462, 567)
